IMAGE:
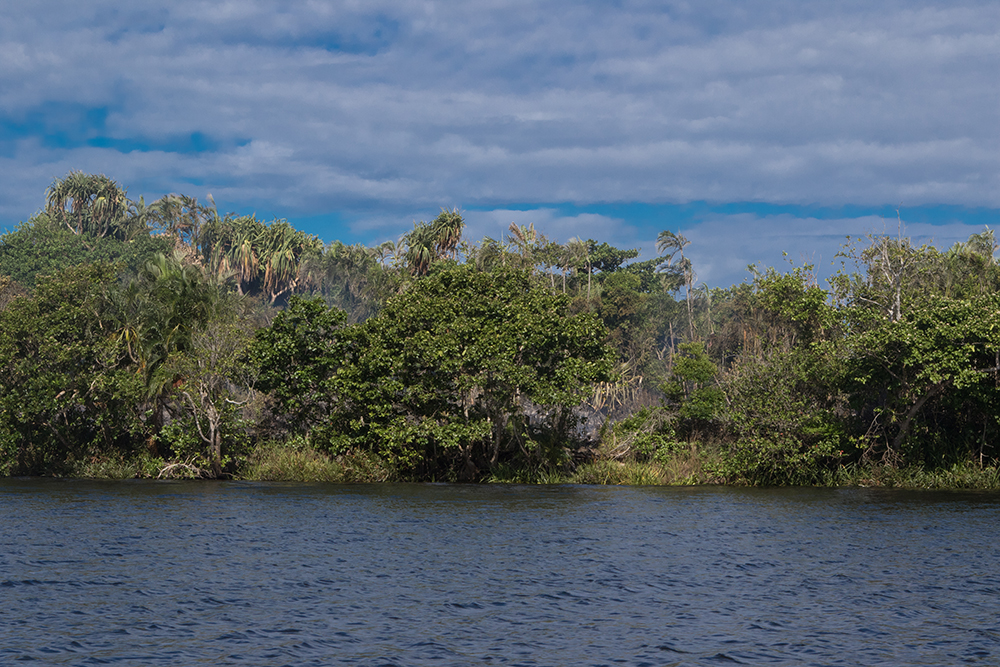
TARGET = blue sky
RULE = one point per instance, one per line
(754, 128)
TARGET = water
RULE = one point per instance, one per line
(177, 573)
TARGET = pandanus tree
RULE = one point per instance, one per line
(429, 242)
(259, 257)
(282, 246)
(180, 217)
(348, 276)
(89, 204)
(448, 232)
(671, 247)
(421, 248)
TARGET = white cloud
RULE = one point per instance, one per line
(321, 107)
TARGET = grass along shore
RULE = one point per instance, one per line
(293, 463)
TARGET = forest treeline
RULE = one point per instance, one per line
(167, 339)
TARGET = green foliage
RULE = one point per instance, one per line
(777, 461)
(43, 247)
(621, 303)
(444, 373)
(118, 348)
(64, 389)
(349, 277)
(646, 435)
(90, 204)
(935, 366)
(691, 388)
(608, 259)
(262, 259)
(214, 384)
(297, 358)
(781, 421)
(800, 304)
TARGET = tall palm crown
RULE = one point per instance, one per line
(447, 231)
(88, 203)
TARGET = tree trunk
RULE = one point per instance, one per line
(911, 414)
(690, 312)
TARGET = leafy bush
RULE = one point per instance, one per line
(780, 422)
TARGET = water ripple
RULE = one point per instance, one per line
(259, 574)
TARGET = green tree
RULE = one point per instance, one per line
(263, 259)
(43, 246)
(180, 217)
(297, 359)
(780, 422)
(671, 247)
(448, 228)
(446, 373)
(66, 389)
(578, 256)
(88, 203)
(215, 383)
(938, 361)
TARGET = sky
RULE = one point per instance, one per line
(754, 128)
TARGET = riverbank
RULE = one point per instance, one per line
(277, 462)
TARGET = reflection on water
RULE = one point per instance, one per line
(176, 573)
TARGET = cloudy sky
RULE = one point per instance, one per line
(751, 127)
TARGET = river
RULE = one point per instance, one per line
(197, 573)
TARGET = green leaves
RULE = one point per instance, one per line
(63, 388)
(449, 365)
(942, 351)
(298, 357)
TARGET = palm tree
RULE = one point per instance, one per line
(242, 253)
(385, 251)
(282, 248)
(488, 253)
(181, 217)
(138, 219)
(525, 239)
(88, 203)
(421, 245)
(448, 232)
(671, 245)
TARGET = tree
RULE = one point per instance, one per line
(297, 359)
(215, 384)
(349, 277)
(445, 373)
(157, 313)
(66, 388)
(943, 353)
(578, 252)
(609, 259)
(180, 217)
(671, 245)
(44, 246)
(261, 258)
(88, 203)
(421, 248)
(448, 228)
(526, 241)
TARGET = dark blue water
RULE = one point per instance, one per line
(175, 573)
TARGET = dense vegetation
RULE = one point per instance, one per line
(169, 340)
